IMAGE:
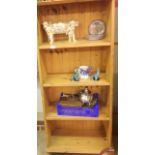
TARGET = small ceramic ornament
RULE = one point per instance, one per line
(96, 76)
(67, 28)
(75, 76)
(84, 72)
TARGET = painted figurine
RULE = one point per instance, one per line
(67, 28)
(75, 76)
(96, 76)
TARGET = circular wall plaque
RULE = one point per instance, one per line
(97, 27)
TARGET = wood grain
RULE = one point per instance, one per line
(67, 60)
(73, 144)
(52, 2)
(57, 80)
(78, 44)
(74, 11)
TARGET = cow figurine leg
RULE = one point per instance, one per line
(71, 36)
(51, 38)
(71, 31)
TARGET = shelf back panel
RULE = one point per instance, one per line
(78, 128)
(67, 60)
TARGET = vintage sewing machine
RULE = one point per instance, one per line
(83, 98)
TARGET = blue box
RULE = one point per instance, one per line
(78, 111)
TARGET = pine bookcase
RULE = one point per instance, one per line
(65, 134)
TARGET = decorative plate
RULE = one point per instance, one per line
(95, 36)
(97, 27)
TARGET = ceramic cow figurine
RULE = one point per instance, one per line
(67, 28)
(75, 76)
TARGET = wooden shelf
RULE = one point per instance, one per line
(58, 80)
(52, 115)
(50, 2)
(77, 144)
(78, 44)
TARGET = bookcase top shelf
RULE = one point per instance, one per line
(60, 80)
(53, 2)
(77, 44)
